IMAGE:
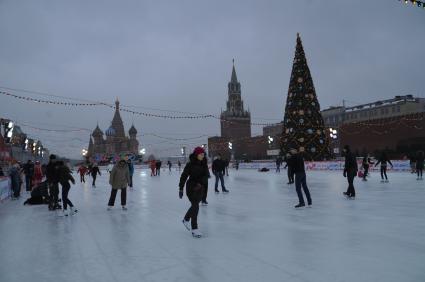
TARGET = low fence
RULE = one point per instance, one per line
(398, 165)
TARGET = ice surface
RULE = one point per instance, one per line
(251, 234)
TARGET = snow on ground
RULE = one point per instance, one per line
(251, 234)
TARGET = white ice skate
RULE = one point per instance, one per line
(186, 224)
(196, 233)
(109, 208)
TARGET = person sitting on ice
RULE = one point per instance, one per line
(264, 169)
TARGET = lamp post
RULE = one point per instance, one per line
(183, 152)
(84, 152)
(333, 134)
(232, 156)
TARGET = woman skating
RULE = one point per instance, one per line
(64, 178)
(119, 180)
(384, 161)
(197, 172)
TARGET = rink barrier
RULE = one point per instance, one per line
(398, 165)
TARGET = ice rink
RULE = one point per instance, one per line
(251, 234)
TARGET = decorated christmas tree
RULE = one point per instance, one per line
(303, 127)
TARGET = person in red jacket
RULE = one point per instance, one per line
(82, 170)
(38, 174)
(153, 167)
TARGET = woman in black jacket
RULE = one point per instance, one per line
(197, 172)
(383, 160)
(64, 178)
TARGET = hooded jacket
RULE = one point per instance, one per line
(197, 172)
(120, 176)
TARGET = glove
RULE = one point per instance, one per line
(345, 174)
(180, 193)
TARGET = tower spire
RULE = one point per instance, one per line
(234, 78)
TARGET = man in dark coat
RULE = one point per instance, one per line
(158, 167)
(94, 171)
(289, 166)
(300, 178)
(28, 170)
(52, 175)
(350, 171)
(219, 169)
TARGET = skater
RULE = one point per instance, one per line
(15, 179)
(28, 170)
(218, 169)
(64, 178)
(110, 167)
(94, 171)
(226, 164)
(205, 193)
(119, 180)
(420, 164)
(52, 175)
(158, 167)
(131, 172)
(197, 172)
(82, 170)
(179, 164)
(365, 164)
(289, 159)
(384, 161)
(153, 167)
(300, 178)
(350, 171)
(412, 161)
(38, 175)
(278, 164)
(237, 165)
(169, 166)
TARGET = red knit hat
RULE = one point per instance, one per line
(199, 150)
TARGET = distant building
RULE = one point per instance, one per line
(115, 141)
(395, 125)
(398, 106)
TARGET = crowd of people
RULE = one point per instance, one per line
(44, 181)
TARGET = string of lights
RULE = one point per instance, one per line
(66, 103)
(420, 4)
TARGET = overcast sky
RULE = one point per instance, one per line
(177, 55)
